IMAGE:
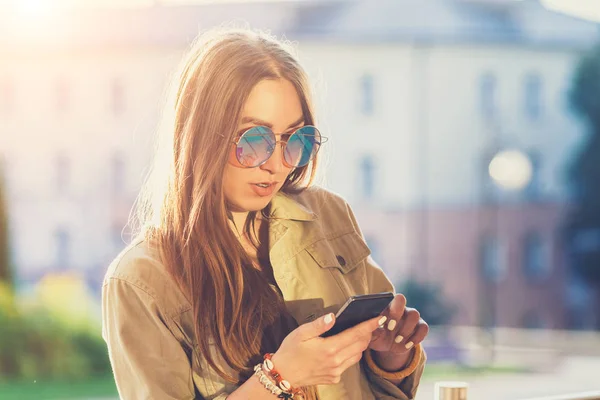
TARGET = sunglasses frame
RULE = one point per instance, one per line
(283, 143)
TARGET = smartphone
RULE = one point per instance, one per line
(358, 309)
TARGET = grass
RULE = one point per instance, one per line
(93, 388)
(104, 387)
(453, 371)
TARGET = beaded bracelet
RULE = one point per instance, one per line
(265, 381)
(282, 383)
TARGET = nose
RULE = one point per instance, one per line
(274, 164)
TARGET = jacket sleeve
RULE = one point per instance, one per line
(383, 389)
(148, 362)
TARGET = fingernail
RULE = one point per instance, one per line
(328, 318)
(391, 325)
(398, 338)
(382, 320)
(409, 345)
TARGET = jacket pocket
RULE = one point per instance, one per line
(344, 252)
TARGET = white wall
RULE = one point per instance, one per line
(89, 133)
(427, 116)
(417, 90)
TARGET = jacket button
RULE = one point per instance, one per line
(341, 260)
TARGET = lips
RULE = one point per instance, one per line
(263, 189)
(265, 183)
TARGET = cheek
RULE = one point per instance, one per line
(232, 157)
(233, 178)
(287, 171)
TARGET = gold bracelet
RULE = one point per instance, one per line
(403, 373)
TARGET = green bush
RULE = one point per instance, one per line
(37, 346)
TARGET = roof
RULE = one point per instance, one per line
(499, 21)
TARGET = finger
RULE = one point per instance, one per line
(418, 335)
(351, 361)
(350, 335)
(408, 324)
(316, 328)
(395, 312)
(357, 347)
(333, 375)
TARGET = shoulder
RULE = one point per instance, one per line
(322, 201)
(330, 208)
(139, 268)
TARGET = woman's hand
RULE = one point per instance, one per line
(304, 358)
(403, 330)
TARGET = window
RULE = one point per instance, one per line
(62, 172)
(63, 95)
(534, 259)
(532, 95)
(367, 94)
(367, 176)
(62, 243)
(6, 97)
(118, 173)
(117, 97)
(533, 320)
(491, 263)
(374, 246)
(487, 95)
(488, 190)
(533, 191)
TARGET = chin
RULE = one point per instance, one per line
(258, 204)
(252, 204)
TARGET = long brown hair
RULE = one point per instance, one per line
(182, 206)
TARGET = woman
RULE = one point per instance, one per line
(240, 259)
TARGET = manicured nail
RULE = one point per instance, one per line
(409, 345)
(382, 320)
(328, 318)
(398, 338)
(391, 325)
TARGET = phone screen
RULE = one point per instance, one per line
(358, 309)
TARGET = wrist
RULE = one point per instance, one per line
(282, 367)
(392, 362)
(396, 374)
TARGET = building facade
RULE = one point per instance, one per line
(415, 97)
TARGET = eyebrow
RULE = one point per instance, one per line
(256, 121)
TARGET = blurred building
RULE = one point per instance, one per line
(416, 97)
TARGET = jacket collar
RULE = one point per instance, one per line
(283, 206)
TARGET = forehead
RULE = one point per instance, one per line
(275, 102)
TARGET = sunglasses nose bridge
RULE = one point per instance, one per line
(272, 148)
(275, 158)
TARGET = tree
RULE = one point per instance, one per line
(428, 299)
(582, 233)
(6, 275)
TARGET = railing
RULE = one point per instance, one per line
(569, 342)
(576, 396)
(458, 391)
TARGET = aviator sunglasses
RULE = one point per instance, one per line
(256, 145)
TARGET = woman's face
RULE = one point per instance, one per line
(275, 104)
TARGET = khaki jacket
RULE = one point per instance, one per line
(319, 258)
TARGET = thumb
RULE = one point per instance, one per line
(317, 327)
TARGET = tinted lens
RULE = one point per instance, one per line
(302, 146)
(255, 146)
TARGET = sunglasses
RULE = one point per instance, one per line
(256, 145)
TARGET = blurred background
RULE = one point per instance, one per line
(464, 133)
